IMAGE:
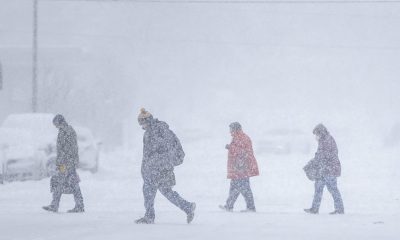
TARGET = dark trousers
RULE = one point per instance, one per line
(149, 193)
(240, 186)
(331, 184)
(76, 191)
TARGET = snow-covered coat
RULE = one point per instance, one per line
(159, 154)
(326, 157)
(67, 161)
(241, 160)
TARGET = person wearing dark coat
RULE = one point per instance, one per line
(327, 168)
(66, 180)
(162, 151)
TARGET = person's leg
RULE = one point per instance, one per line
(78, 197)
(176, 199)
(56, 199)
(318, 192)
(233, 194)
(245, 190)
(149, 194)
(331, 184)
(53, 207)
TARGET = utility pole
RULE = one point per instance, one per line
(35, 58)
(1, 76)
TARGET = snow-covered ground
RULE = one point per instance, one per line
(114, 200)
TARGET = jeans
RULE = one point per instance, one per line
(240, 186)
(77, 197)
(149, 193)
(331, 184)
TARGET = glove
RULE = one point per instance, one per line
(62, 168)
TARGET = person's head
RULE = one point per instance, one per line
(144, 118)
(59, 121)
(235, 127)
(320, 131)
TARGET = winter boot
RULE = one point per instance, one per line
(190, 215)
(225, 208)
(76, 210)
(249, 210)
(144, 220)
(311, 211)
(50, 208)
(337, 212)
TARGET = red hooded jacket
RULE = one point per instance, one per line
(241, 160)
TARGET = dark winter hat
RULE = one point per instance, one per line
(235, 126)
(59, 120)
(144, 116)
(320, 130)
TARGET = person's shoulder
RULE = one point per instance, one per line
(328, 141)
(71, 130)
(246, 137)
(162, 125)
(330, 138)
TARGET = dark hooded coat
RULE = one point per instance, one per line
(326, 158)
(161, 149)
(67, 161)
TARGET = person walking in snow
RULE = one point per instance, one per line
(241, 166)
(162, 151)
(327, 168)
(66, 181)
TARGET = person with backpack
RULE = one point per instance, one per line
(241, 166)
(324, 169)
(162, 151)
(66, 181)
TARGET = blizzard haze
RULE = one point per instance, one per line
(200, 66)
(262, 64)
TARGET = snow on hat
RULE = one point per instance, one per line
(144, 116)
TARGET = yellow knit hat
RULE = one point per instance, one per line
(144, 115)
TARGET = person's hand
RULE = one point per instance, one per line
(62, 168)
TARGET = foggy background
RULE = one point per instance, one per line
(277, 68)
(201, 66)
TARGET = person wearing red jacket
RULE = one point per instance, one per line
(241, 166)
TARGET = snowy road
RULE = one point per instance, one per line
(208, 225)
(113, 201)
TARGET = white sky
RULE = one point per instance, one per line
(194, 64)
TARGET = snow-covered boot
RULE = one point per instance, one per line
(249, 210)
(190, 215)
(226, 208)
(144, 220)
(311, 211)
(50, 208)
(76, 210)
(337, 212)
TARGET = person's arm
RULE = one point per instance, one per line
(75, 150)
(320, 155)
(70, 151)
(227, 146)
(61, 154)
